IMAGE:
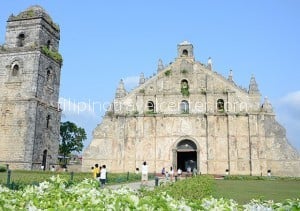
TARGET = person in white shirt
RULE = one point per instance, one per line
(179, 172)
(144, 173)
(103, 176)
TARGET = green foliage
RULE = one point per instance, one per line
(142, 91)
(30, 13)
(151, 112)
(202, 91)
(192, 189)
(185, 88)
(52, 54)
(185, 91)
(109, 113)
(221, 110)
(168, 73)
(185, 112)
(71, 138)
(2, 169)
(184, 71)
(135, 113)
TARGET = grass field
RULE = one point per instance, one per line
(34, 177)
(243, 191)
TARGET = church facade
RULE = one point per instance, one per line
(188, 115)
(30, 68)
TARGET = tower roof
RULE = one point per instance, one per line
(185, 43)
(33, 12)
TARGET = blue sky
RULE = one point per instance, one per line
(105, 41)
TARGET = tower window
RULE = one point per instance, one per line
(48, 120)
(48, 44)
(184, 106)
(15, 70)
(220, 105)
(151, 106)
(185, 52)
(21, 39)
(48, 75)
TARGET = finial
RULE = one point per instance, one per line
(121, 91)
(209, 63)
(160, 65)
(142, 78)
(266, 106)
(230, 77)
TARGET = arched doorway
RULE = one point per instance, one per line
(186, 155)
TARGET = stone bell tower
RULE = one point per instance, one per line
(30, 67)
(185, 50)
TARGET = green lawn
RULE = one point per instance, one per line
(244, 190)
(34, 177)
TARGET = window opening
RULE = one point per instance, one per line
(15, 70)
(185, 52)
(49, 74)
(48, 120)
(151, 106)
(48, 44)
(21, 39)
(185, 88)
(184, 106)
(220, 105)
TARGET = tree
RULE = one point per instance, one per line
(71, 138)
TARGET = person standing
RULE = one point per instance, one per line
(96, 172)
(179, 172)
(163, 171)
(103, 176)
(144, 173)
(171, 173)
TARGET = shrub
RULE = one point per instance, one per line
(185, 91)
(2, 169)
(168, 72)
(52, 54)
(192, 189)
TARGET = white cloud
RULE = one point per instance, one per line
(288, 113)
(291, 101)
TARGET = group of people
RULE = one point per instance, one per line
(170, 173)
(99, 173)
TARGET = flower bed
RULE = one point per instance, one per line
(56, 194)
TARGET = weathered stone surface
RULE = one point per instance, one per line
(190, 112)
(29, 84)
